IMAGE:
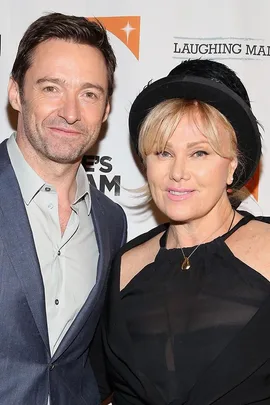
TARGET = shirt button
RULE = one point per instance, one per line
(58, 253)
(56, 302)
(47, 189)
(50, 206)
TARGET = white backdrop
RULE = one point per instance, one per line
(149, 39)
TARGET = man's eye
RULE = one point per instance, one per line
(49, 89)
(90, 94)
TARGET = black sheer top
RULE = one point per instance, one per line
(168, 325)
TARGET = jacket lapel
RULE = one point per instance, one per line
(104, 248)
(246, 353)
(102, 236)
(18, 240)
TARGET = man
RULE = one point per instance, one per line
(58, 235)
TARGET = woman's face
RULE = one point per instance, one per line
(189, 178)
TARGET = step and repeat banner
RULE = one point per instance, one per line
(150, 38)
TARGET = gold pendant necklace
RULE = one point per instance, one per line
(186, 263)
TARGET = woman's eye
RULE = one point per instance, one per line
(200, 153)
(163, 154)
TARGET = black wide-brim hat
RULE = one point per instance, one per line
(211, 92)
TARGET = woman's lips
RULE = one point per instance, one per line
(175, 194)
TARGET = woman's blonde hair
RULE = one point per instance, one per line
(161, 122)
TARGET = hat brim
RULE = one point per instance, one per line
(215, 94)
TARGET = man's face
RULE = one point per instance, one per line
(64, 101)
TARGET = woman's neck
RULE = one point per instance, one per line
(203, 229)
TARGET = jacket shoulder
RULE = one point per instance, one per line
(4, 158)
(106, 204)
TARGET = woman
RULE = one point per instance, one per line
(187, 319)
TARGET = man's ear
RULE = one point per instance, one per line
(14, 94)
(106, 111)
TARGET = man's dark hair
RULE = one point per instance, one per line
(68, 28)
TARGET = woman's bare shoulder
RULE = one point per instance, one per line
(251, 244)
(142, 251)
(139, 256)
(255, 232)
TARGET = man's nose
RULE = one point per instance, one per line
(70, 109)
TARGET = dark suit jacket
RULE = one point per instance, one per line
(240, 375)
(27, 371)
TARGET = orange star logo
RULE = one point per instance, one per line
(126, 28)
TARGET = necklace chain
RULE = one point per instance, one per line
(186, 263)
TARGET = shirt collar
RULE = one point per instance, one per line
(83, 189)
(30, 182)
